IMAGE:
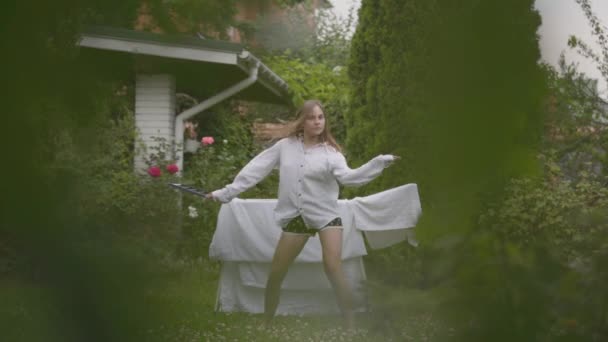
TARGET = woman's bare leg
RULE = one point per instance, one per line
(288, 248)
(331, 241)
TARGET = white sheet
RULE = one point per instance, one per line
(246, 231)
(246, 236)
(233, 295)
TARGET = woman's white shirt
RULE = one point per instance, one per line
(308, 179)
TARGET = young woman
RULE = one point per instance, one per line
(310, 166)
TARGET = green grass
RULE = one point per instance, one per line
(180, 306)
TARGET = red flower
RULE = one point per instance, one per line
(154, 171)
(172, 168)
(207, 141)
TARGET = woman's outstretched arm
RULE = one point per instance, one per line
(254, 172)
(363, 174)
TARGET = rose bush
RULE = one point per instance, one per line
(207, 141)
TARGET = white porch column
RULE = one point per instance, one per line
(154, 112)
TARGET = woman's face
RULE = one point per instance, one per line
(314, 123)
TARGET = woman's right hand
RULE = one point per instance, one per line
(210, 196)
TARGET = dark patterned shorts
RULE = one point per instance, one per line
(297, 226)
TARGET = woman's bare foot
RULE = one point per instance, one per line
(349, 321)
(267, 323)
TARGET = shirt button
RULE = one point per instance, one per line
(301, 165)
(299, 194)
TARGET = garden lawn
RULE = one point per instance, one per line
(182, 302)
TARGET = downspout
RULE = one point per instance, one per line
(215, 99)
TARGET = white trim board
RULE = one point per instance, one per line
(158, 50)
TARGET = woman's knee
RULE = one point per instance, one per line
(277, 273)
(332, 266)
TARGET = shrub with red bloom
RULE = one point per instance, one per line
(172, 168)
(154, 171)
(207, 141)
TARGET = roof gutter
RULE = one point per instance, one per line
(268, 77)
(210, 102)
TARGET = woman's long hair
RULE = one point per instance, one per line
(296, 127)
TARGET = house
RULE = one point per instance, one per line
(209, 69)
(272, 25)
(162, 65)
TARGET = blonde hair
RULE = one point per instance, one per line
(296, 127)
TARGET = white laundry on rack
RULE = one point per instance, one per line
(247, 234)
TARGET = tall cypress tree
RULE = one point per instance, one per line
(455, 88)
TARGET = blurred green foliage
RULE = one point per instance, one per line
(509, 156)
(76, 223)
(510, 175)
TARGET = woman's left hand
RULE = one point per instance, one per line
(389, 159)
(395, 158)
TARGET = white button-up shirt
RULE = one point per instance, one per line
(308, 179)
